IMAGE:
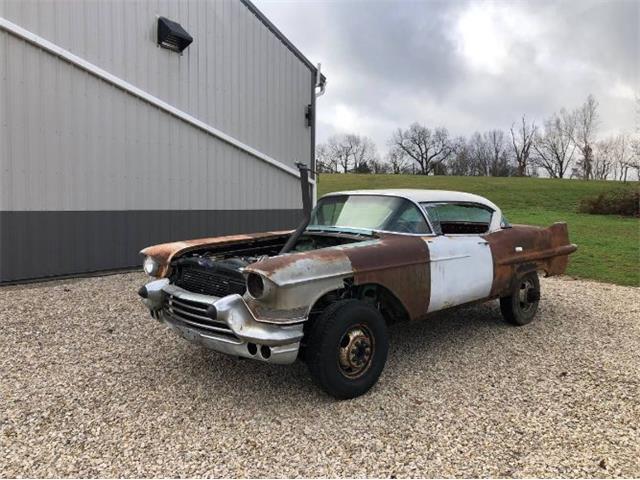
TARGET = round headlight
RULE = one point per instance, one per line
(255, 285)
(150, 266)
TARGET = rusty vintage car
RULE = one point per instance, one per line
(360, 260)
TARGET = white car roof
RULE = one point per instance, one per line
(420, 195)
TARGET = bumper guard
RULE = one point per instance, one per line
(236, 331)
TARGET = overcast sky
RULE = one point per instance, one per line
(465, 65)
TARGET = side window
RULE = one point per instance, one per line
(434, 218)
(408, 219)
(458, 218)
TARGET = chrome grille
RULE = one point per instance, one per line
(193, 313)
(209, 282)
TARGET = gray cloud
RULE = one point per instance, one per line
(465, 65)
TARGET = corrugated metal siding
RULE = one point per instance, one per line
(236, 75)
(78, 143)
(48, 243)
(4, 146)
(90, 174)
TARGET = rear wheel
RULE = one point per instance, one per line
(521, 306)
(346, 348)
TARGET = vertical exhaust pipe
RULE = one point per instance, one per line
(305, 188)
(306, 208)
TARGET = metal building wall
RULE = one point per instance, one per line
(89, 173)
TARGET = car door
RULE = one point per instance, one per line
(460, 260)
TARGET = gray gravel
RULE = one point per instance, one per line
(92, 386)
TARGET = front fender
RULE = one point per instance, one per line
(300, 279)
(396, 262)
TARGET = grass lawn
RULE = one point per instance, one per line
(608, 246)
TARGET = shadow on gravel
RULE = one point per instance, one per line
(442, 337)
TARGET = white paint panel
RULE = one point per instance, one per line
(461, 270)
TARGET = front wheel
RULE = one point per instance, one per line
(520, 307)
(346, 348)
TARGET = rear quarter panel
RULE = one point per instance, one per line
(545, 249)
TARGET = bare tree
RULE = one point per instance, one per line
(397, 161)
(619, 155)
(324, 162)
(363, 151)
(625, 155)
(634, 160)
(379, 167)
(461, 163)
(498, 159)
(603, 161)
(585, 121)
(615, 156)
(339, 152)
(554, 146)
(522, 140)
(480, 155)
(426, 147)
(346, 153)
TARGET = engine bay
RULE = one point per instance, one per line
(217, 271)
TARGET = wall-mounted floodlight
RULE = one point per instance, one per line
(308, 115)
(172, 36)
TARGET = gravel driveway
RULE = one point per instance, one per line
(92, 386)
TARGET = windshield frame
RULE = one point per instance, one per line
(337, 228)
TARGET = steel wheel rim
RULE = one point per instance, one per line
(523, 295)
(355, 351)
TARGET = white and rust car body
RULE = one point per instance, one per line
(407, 275)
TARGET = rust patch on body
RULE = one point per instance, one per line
(270, 266)
(165, 252)
(525, 248)
(400, 264)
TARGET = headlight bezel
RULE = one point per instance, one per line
(151, 266)
(258, 286)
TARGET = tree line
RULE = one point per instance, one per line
(566, 145)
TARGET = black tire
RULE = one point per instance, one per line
(521, 306)
(337, 345)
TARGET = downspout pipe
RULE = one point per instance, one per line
(321, 82)
(306, 208)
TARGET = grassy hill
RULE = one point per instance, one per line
(608, 246)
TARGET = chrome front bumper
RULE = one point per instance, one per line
(233, 331)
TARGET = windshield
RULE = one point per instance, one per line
(369, 212)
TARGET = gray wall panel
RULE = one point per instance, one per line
(248, 96)
(75, 142)
(4, 115)
(40, 244)
(81, 160)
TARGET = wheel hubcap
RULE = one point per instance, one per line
(356, 351)
(526, 294)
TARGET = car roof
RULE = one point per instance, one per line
(423, 195)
